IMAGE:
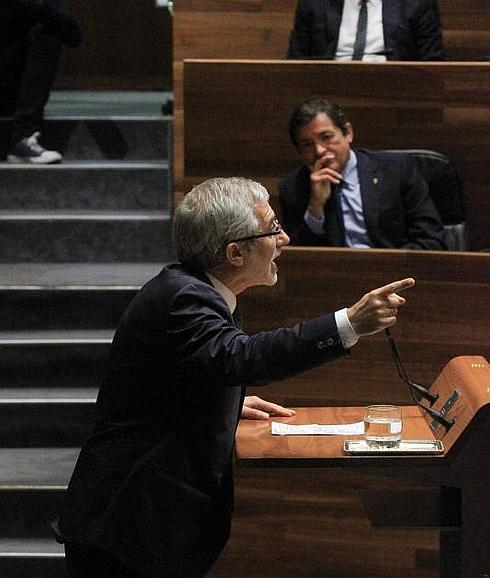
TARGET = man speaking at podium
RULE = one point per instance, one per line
(152, 491)
(368, 30)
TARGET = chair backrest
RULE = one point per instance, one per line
(446, 189)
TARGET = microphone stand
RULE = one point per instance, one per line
(416, 389)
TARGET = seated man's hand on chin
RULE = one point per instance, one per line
(257, 408)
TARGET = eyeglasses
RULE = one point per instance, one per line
(276, 231)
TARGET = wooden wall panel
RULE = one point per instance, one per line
(125, 46)
(240, 111)
(259, 29)
(291, 523)
(447, 314)
(466, 29)
(310, 522)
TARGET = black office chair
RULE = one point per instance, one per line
(447, 191)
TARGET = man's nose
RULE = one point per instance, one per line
(320, 149)
(283, 238)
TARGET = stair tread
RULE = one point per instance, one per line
(76, 214)
(30, 547)
(56, 336)
(46, 276)
(41, 468)
(106, 102)
(116, 165)
(48, 394)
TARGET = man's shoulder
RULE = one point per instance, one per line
(171, 283)
(382, 154)
(174, 277)
(312, 5)
(384, 158)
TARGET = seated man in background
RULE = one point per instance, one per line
(373, 30)
(344, 197)
(31, 33)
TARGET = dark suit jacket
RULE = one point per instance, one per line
(398, 210)
(18, 18)
(412, 29)
(153, 484)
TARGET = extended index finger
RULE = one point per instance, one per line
(396, 286)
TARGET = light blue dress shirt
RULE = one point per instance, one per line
(356, 234)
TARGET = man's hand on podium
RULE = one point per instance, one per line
(255, 407)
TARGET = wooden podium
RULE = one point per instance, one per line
(463, 389)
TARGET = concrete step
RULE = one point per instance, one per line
(108, 138)
(105, 125)
(104, 103)
(44, 417)
(120, 186)
(66, 295)
(32, 485)
(31, 558)
(77, 308)
(74, 358)
(88, 236)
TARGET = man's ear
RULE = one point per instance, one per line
(234, 254)
(350, 132)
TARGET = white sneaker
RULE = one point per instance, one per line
(28, 150)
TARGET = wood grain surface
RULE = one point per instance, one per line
(446, 315)
(237, 114)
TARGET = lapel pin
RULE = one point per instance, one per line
(375, 180)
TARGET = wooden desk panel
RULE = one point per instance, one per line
(240, 111)
(464, 464)
(447, 314)
(125, 46)
(258, 447)
(469, 375)
(203, 28)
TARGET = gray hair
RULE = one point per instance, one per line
(211, 215)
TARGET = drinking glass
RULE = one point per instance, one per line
(382, 426)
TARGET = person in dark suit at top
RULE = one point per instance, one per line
(347, 197)
(370, 30)
(31, 36)
(152, 491)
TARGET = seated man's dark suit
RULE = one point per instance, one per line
(153, 484)
(411, 28)
(397, 208)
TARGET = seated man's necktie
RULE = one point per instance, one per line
(360, 42)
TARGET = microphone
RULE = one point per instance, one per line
(420, 389)
(415, 388)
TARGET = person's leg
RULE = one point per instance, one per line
(84, 562)
(41, 58)
(210, 544)
(40, 61)
(11, 63)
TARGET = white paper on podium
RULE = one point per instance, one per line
(314, 429)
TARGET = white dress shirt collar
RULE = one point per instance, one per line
(375, 43)
(224, 291)
(350, 174)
